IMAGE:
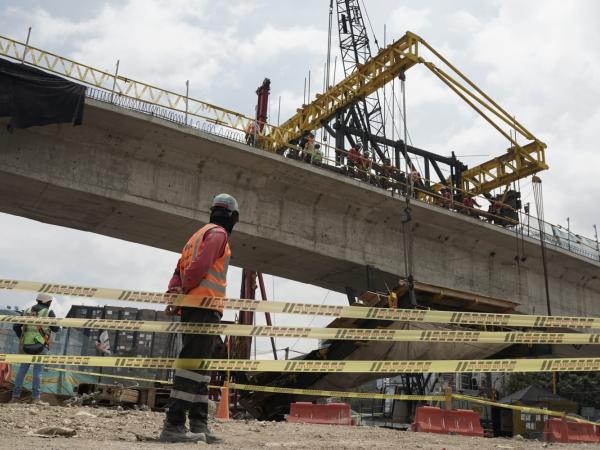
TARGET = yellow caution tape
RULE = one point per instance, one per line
(116, 377)
(356, 312)
(367, 395)
(278, 390)
(341, 394)
(526, 409)
(441, 366)
(353, 334)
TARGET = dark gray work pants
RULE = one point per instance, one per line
(189, 395)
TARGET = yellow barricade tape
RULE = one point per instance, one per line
(344, 394)
(116, 377)
(526, 409)
(356, 312)
(488, 337)
(278, 390)
(341, 394)
(443, 366)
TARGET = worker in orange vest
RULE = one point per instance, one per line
(202, 271)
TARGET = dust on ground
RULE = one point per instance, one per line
(108, 429)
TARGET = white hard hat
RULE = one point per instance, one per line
(225, 201)
(44, 298)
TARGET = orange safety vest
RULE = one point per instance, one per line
(214, 282)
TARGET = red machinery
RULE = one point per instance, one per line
(242, 345)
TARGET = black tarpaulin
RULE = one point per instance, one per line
(32, 97)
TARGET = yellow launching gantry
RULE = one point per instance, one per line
(518, 162)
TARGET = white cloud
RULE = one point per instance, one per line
(405, 18)
(274, 42)
(464, 21)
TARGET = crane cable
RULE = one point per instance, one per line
(539, 206)
(385, 103)
(407, 214)
(328, 62)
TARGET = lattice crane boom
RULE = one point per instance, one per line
(355, 49)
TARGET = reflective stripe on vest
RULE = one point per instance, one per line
(214, 283)
(31, 333)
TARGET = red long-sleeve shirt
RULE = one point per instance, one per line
(212, 248)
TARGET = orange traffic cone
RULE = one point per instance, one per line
(223, 407)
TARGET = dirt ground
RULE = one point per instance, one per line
(104, 428)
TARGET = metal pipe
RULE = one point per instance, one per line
(569, 234)
(112, 92)
(263, 295)
(26, 46)
(304, 95)
(334, 69)
(187, 98)
(328, 64)
(279, 111)
(597, 243)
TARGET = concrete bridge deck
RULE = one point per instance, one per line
(132, 176)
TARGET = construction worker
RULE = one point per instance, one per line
(386, 173)
(469, 204)
(308, 149)
(364, 166)
(251, 130)
(417, 181)
(202, 271)
(354, 156)
(317, 155)
(34, 340)
(447, 198)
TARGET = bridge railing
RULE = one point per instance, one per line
(558, 236)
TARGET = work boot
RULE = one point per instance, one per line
(201, 427)
(15, 400)
(178, 433)
(38, 402)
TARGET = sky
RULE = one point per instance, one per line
(539, 60)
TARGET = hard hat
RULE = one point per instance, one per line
(44, 298)
(225, 201)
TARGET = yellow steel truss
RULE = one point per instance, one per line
(380, 70)
(124, 87)
(518, 162)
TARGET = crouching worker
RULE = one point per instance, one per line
(34, 340)
(201, 270)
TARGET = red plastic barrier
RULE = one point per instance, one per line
(328, 414)
(464, 422)
(430, 419)
(561, 430)
(4, 373)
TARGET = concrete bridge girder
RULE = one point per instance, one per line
(131, 176)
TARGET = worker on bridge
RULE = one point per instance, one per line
(202, 271)
(34, 340)
(251, 130)
(354, 156)
(469, 203)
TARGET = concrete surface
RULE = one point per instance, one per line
(131, 176)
